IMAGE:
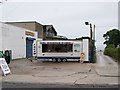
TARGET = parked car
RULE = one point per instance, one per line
(1, 55)
(5, 55)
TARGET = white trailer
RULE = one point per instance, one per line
(62, 50)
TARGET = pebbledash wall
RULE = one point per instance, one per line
(15, 39)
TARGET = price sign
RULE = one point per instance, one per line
(4, 66)
(82, 56)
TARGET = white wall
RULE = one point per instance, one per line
(86, 49)
(0, 36)
(14, 38)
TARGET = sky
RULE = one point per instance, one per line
(67, 17)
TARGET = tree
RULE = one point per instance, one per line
(112, 37)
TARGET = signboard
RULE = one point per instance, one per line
(4, 66)
(29, 33)
(82, 56)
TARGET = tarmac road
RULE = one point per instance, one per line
(37, 85)
(26, 74)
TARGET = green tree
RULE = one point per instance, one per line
(112, 37)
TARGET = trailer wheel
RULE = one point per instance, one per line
(64, 60)
(59, 60)
(54, 60)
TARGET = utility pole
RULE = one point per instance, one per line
(91, 49)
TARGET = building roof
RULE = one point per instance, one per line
(51, 27)
(82, 38)
(22, 22)
(30, 22)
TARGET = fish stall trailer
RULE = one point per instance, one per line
(63, 50)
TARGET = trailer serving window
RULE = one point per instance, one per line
(77, 48)
(58, 47)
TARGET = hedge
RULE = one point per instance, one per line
(113, 52)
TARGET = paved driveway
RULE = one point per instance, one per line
(47, 72)
(104, 72)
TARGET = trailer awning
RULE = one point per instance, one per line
(56, 42)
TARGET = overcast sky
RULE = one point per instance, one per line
(68, 18)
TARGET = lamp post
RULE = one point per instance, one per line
(94, 33)
(91, 52)
(94, 48)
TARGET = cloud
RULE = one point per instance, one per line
(67, 17)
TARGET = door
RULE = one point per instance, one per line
(29, 47)
(39, 48)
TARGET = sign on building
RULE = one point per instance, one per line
(29, 33)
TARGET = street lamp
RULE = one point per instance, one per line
(87, 23)
(91, 52)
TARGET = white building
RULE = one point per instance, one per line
(18, 40)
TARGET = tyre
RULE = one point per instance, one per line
(64, 60)
(59, 60)
(54, 60)
(78, 60)
(7, 58)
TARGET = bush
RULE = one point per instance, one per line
(118, 54)
(113, 52)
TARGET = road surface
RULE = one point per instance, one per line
(26, 74)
